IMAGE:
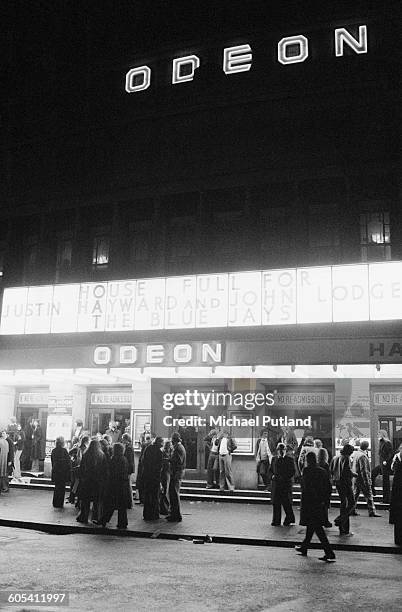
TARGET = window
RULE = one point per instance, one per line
(276, 237)
(30, 257)
(140, 240)
(180, 244)
(2, 254)
(323, 226)
(63, 257)
(375, 236)
(244, 436)
(101, 249)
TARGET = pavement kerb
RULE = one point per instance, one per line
(57, 529)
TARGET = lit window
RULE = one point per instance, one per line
(100, 251)
(375, 236)
(2, 252)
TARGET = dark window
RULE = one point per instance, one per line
(180, 244)
(275, 234)
(63, 257)
(323, 226)
(140, 240)
(375, 236)
(30, 257)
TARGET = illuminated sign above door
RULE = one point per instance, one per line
(328, 294)
(290, 50)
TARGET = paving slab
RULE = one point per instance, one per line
(237, 523)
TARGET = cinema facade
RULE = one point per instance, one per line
(319, 345)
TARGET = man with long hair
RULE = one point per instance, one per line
(342, 475)
(93, 474)
(316, 487)
(177, 469)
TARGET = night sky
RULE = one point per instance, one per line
(63, 63)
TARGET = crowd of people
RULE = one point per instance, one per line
(28, 445)
(100, 472)
(350, 473)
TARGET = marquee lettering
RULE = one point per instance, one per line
(290, 50)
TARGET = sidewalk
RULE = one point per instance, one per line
(226, 523)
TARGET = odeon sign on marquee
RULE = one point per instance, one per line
(327, 294)
(290, 50)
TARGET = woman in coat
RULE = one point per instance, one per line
(395, 508)
(93, 474)
(313, 514)
(118, 495)
(61, 472)
(152, 467)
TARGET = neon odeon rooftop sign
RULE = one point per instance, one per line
(290, 50)
(292, 296)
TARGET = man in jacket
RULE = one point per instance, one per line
(386, 454)
(316, 488)
(283, 470)
(212, 443)
(342, 475)
(263, 458)
(362, 482)
(177, 470)
(227, 445)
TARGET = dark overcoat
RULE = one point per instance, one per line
(282, 470)
(93, 475)
(395, 507)
(129, 455)
(61, 465)
(316, 489)
(152, 465)
(119, 491)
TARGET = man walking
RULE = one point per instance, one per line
(362, 482)
(386, 454)
(342, 475)
(283, 470)
(177, 469)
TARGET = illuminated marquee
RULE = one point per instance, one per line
(327, 294)
(290, 50)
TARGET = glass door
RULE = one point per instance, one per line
(393, 427)
(100, 419)
(193, 441)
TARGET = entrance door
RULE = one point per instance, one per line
(27, 413)
(193, 441)
(393, 426)
(100, 419)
